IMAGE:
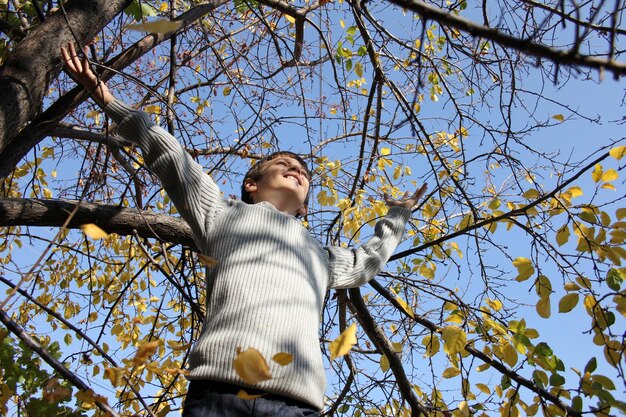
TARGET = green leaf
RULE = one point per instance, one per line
(557, 380)
(139, 9)
(568, 302)
(591, 365)
(614, 279)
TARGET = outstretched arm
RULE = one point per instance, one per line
(196, 196)
(351, 267)
(80, 69)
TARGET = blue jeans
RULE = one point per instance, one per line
(214, 399)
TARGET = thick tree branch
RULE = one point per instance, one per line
(26, 74)
(378, 337)
(15, 149)
(112, 219)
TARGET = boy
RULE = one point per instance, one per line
(267, 290)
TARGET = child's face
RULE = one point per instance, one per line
(283, 176)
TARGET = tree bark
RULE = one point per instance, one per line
(111, 219)
(36, 60)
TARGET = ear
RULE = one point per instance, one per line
(250, 185)
(302, 211)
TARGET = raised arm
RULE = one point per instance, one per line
(195, 194)
(352, 267)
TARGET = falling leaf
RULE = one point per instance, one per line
(145, 350)
(93, 231)
(283, 358)
(207, 260)
(245, 396)
(251, 366)
(343, 344)
(559, 117)
(157, 26)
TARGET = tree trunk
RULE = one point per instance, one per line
(36, 61)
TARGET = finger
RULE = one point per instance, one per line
(420, 192)
(74, 59)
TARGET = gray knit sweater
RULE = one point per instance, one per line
(268, 287)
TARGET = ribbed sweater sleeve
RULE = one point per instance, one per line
(352, 267)
(194, 193)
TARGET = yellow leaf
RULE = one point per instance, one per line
(93, 231)
(531, 194)
(207, 260)
(405, 306)
(283, 358)
(450, 373)
(596, 174)
(431, 342)
(157, 26)
(251, 366)
(290, 19)
(575, 191)
(524, 268)
(163, 7)
(114, 375)
(153, 109)
(483, 388)
(562, 236)
(145, 350)
(385, 151)
(609, 175)
(244, 395)
(568, 302)
(343, 344)
(454, 339)
(558, 117)
(384, 363)
(618, 152)
(509, 354)
(543, 307)
(90, 397)
(464, 410)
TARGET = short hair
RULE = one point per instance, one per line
(255, 173)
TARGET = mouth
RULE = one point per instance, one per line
(295, 178)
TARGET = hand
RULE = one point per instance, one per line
(80, 69)
(407, 201)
